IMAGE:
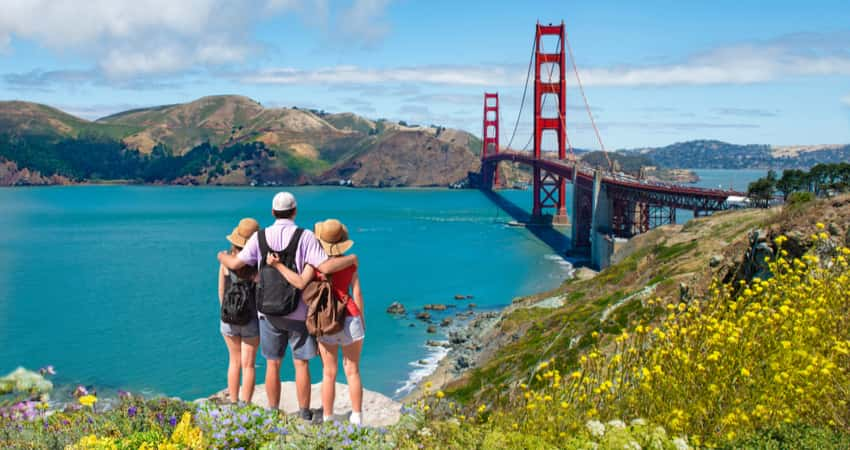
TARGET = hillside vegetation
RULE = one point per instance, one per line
(231, 140)
(690, 329)
(707, 335)
(708, 154)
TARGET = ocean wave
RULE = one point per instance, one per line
(422, 368)
(567, 267)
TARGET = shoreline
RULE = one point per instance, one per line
(473, 341)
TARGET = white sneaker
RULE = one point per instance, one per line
(355, 418)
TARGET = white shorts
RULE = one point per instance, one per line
(352, 331)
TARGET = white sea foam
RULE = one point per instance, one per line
(422, 369)
(568, 268)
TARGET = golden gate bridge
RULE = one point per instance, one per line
(606, 204)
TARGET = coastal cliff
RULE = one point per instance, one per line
(673, 261)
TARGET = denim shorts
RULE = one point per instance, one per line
(352, 331)
(249, 330)
(273, 343)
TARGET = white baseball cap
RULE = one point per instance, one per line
(283, 201)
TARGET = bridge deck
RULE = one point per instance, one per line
(621, 180)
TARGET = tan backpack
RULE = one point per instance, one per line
(325, 311)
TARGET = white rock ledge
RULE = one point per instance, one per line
(378, 409)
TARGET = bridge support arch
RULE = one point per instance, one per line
(490, 140)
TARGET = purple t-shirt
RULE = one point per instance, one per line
(309, 251)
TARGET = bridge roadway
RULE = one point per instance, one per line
(615, 205)
(619, 180)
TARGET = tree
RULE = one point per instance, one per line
(761, 191)
(792, 180)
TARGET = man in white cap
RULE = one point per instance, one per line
(287, 330)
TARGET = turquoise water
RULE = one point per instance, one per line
(116, 285)
(737, 180)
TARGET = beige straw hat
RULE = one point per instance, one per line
(333, 236)
(240, 235)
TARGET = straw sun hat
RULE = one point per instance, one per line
(333, 236)
(240, 235)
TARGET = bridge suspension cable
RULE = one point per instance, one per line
(524, 92)
(584, 97)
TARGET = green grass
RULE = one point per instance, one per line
(300, 165)
(665, 253)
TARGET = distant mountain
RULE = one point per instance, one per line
(707, 154)
(232, 140)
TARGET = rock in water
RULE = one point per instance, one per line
(446, 322)
(396, 308)
(436, 307)
(460, 297)
(25, 382)
(423, 316)
(432, 329)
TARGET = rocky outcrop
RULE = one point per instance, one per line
(412, 158)
(11, 175)
(396, 308)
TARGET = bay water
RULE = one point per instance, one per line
(116, 285)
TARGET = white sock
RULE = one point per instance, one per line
(355, 418)
(327, 418)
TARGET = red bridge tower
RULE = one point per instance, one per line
(490, 137)
(549, 188)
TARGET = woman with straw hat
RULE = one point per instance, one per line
(242, 340)
(333, 236)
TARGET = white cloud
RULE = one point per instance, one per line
(142, 37)
(364, 19)
(801, 55)
(448, 75)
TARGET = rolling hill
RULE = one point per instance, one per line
(233, 140)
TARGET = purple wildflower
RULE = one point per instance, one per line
(131, 411)
(80, 391)
(172, 421)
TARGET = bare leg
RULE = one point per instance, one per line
(351, 365)
(273, 382)
(329, 369)
(249, 372)
(302, 382)
(233, 350)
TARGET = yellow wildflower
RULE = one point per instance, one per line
(88, 400)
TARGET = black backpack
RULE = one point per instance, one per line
(238, 304)
(275, 296)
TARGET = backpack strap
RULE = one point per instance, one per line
(264, 246)
(288, 258)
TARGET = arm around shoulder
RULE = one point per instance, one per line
(332, 265)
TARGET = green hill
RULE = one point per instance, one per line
(230, 139)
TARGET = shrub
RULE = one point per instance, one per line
(798, 198)
(742, 358)
(797, 436)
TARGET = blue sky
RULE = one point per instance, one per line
(655, 72)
